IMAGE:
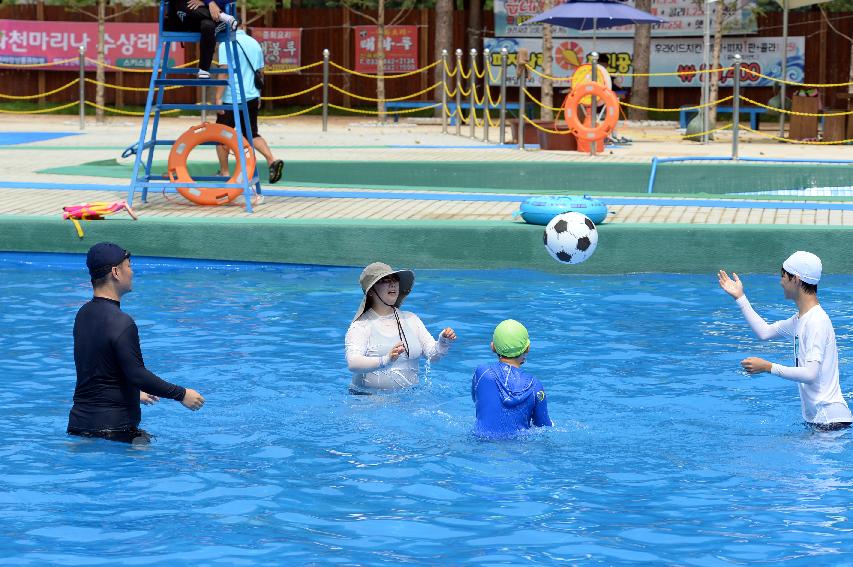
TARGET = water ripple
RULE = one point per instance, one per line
(663, 450)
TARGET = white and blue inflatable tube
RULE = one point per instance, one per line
(540, 210)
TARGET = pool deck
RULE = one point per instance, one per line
(25, 198)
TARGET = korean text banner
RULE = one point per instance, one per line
(401, 49)
(682, 56)
(683, 17)
(282, 47)
(24, 42)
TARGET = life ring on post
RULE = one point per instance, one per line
(177, 167)
(611, 114)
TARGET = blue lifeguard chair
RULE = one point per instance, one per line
(162, 76)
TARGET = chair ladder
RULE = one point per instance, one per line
(142, 179)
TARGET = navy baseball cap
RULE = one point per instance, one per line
(103, 256)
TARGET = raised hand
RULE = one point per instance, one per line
(448, 334)
(733, 287)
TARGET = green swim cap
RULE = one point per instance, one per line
(510, 339)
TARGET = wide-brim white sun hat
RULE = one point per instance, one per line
(375, 272)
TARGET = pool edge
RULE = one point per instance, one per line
(623, 248)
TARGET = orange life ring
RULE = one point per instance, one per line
(611, 115)
(178, 172)
(583, 74)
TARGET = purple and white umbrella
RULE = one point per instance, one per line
(594, 14)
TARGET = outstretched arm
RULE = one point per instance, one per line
(758, 325)
(431, 348)
(734, 287)
(129, 355)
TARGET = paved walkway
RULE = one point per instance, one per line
(352, 140)
(49, 202)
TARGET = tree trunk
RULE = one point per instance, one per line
(242, 10)
(850, 79)
(443, 40)
(475, 25)
(547, 92)
(641, 64)
(41, 75)
(713, 93)
(380, 60)
(100, 74)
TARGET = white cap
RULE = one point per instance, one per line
(804, 264)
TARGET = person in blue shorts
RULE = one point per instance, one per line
(507, 398)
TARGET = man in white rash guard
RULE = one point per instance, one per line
(815, 366)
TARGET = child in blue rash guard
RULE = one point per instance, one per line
(508, 399)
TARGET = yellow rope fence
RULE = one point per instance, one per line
(376, 112)
(294, 69)
(774, 109)
(42, 111)
(291, 95)
(492, 78)
(793, 83)
(537, 102)
(122, 88)
(39, 95)
(123, 112)
(478, 101)
(369, 76)
(396, 99)
(477, 73)
(696, 107)
(666, 74)
(540, 127)
(297, 113)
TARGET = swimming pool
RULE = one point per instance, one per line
(663, 450)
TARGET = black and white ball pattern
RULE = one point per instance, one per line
(571, 238)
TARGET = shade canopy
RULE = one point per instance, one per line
(794, 4)
(593, 14)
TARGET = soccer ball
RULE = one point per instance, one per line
(570, 238)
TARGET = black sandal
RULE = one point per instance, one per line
(276, 168)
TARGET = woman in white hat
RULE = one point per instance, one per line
(815, 366)
(383, 344)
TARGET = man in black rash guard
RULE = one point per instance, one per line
(112, 379)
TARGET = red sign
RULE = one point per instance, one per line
(24, 42)
(401, 48)
(282, 47)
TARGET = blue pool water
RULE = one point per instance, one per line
(14, 138)
(664, 452)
